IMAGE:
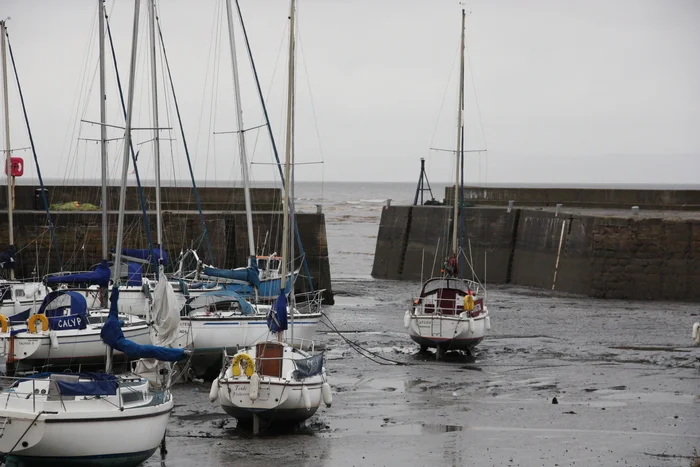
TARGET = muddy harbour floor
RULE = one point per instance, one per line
(625, 376)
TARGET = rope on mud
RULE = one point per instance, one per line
(358, 348)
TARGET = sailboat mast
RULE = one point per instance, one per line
(8, 161)
(103, 132)
(127, 144)
(455, 214)
(156, 131)
(288, 149)
(241, 131)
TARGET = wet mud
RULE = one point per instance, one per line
(624, 376)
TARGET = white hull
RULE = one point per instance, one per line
(213, 335)
(451, 332)
(72, 343)
(81, 431)
(276, 398)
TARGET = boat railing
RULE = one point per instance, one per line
(443, 306)
(309, 302)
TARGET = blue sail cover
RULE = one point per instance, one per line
(151, 256)
(113, 336)
(134, 278)
(223, 295)
(98, 276)
(249, 274)
(277, 318)
(100, 384)
(7, 258)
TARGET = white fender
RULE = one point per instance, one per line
(472, 326)
(17, 307)
(53, 337)
(407, 319)
(214, 391)
(254, 387)
(327, 396)
(306, 398)
(696, 333)
(488, 323)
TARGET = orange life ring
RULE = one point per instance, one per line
(31, 323)
(5, 323)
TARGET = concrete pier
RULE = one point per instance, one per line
(79, 232)
(605, 253)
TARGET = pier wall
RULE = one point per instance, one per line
(79, 234)
(591, 252)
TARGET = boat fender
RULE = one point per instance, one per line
(472, 326)
(406, 319)
(4, 322)
(242, 361)
(305, 397)
(327, 396)
(488, 323)
(53, 337)
(254, 387)
(17, 306)
(696, 333)
(31, 323)
(214, 391)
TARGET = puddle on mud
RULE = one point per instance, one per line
(387, 427)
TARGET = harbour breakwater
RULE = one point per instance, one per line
(607, 251)
(79, 232)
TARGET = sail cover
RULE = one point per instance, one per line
(165, 312)
(277, 317)
(211, 298)
(113, 336)
(7, 258)
(98, 276)
(146, 255)
(248, 274)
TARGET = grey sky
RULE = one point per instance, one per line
(569, 91)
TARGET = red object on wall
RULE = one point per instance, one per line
(17, 166)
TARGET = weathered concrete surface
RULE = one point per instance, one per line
(596, 252)
(173, 198)
(581, 197)
(627, 391)
(79, 238)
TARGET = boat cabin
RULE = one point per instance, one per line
(445, 296)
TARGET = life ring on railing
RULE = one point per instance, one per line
(31, 323)
(236, 365)
(5, 323)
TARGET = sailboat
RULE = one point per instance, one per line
(90, 418)
(274, 380)
(18, 300)
(696, 333)
(64, 331)
(136, 288)
(449, 312)
(224, 320)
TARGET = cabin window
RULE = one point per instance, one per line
(130, 397)
(274, 264)
(19, 293)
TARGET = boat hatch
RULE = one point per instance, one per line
(269, 359)
(129, 397)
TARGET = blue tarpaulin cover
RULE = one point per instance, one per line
(55, 303)
(113, 336)
(308, 367)
(102, 384)
(7, 258)
(151, 256)
(250, 274)
(277, 318)
(98, 276)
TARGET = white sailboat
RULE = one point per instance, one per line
(18, 300)
(274, 380)
(96, 418)
(696, 333)
(220, 321)
(449, 313)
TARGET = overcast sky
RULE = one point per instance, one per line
(556, 91)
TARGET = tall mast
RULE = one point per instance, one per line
(455, 214)
(288, 149)
(241, 131)
(103, 132)
(8, 161)
(156, 136)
